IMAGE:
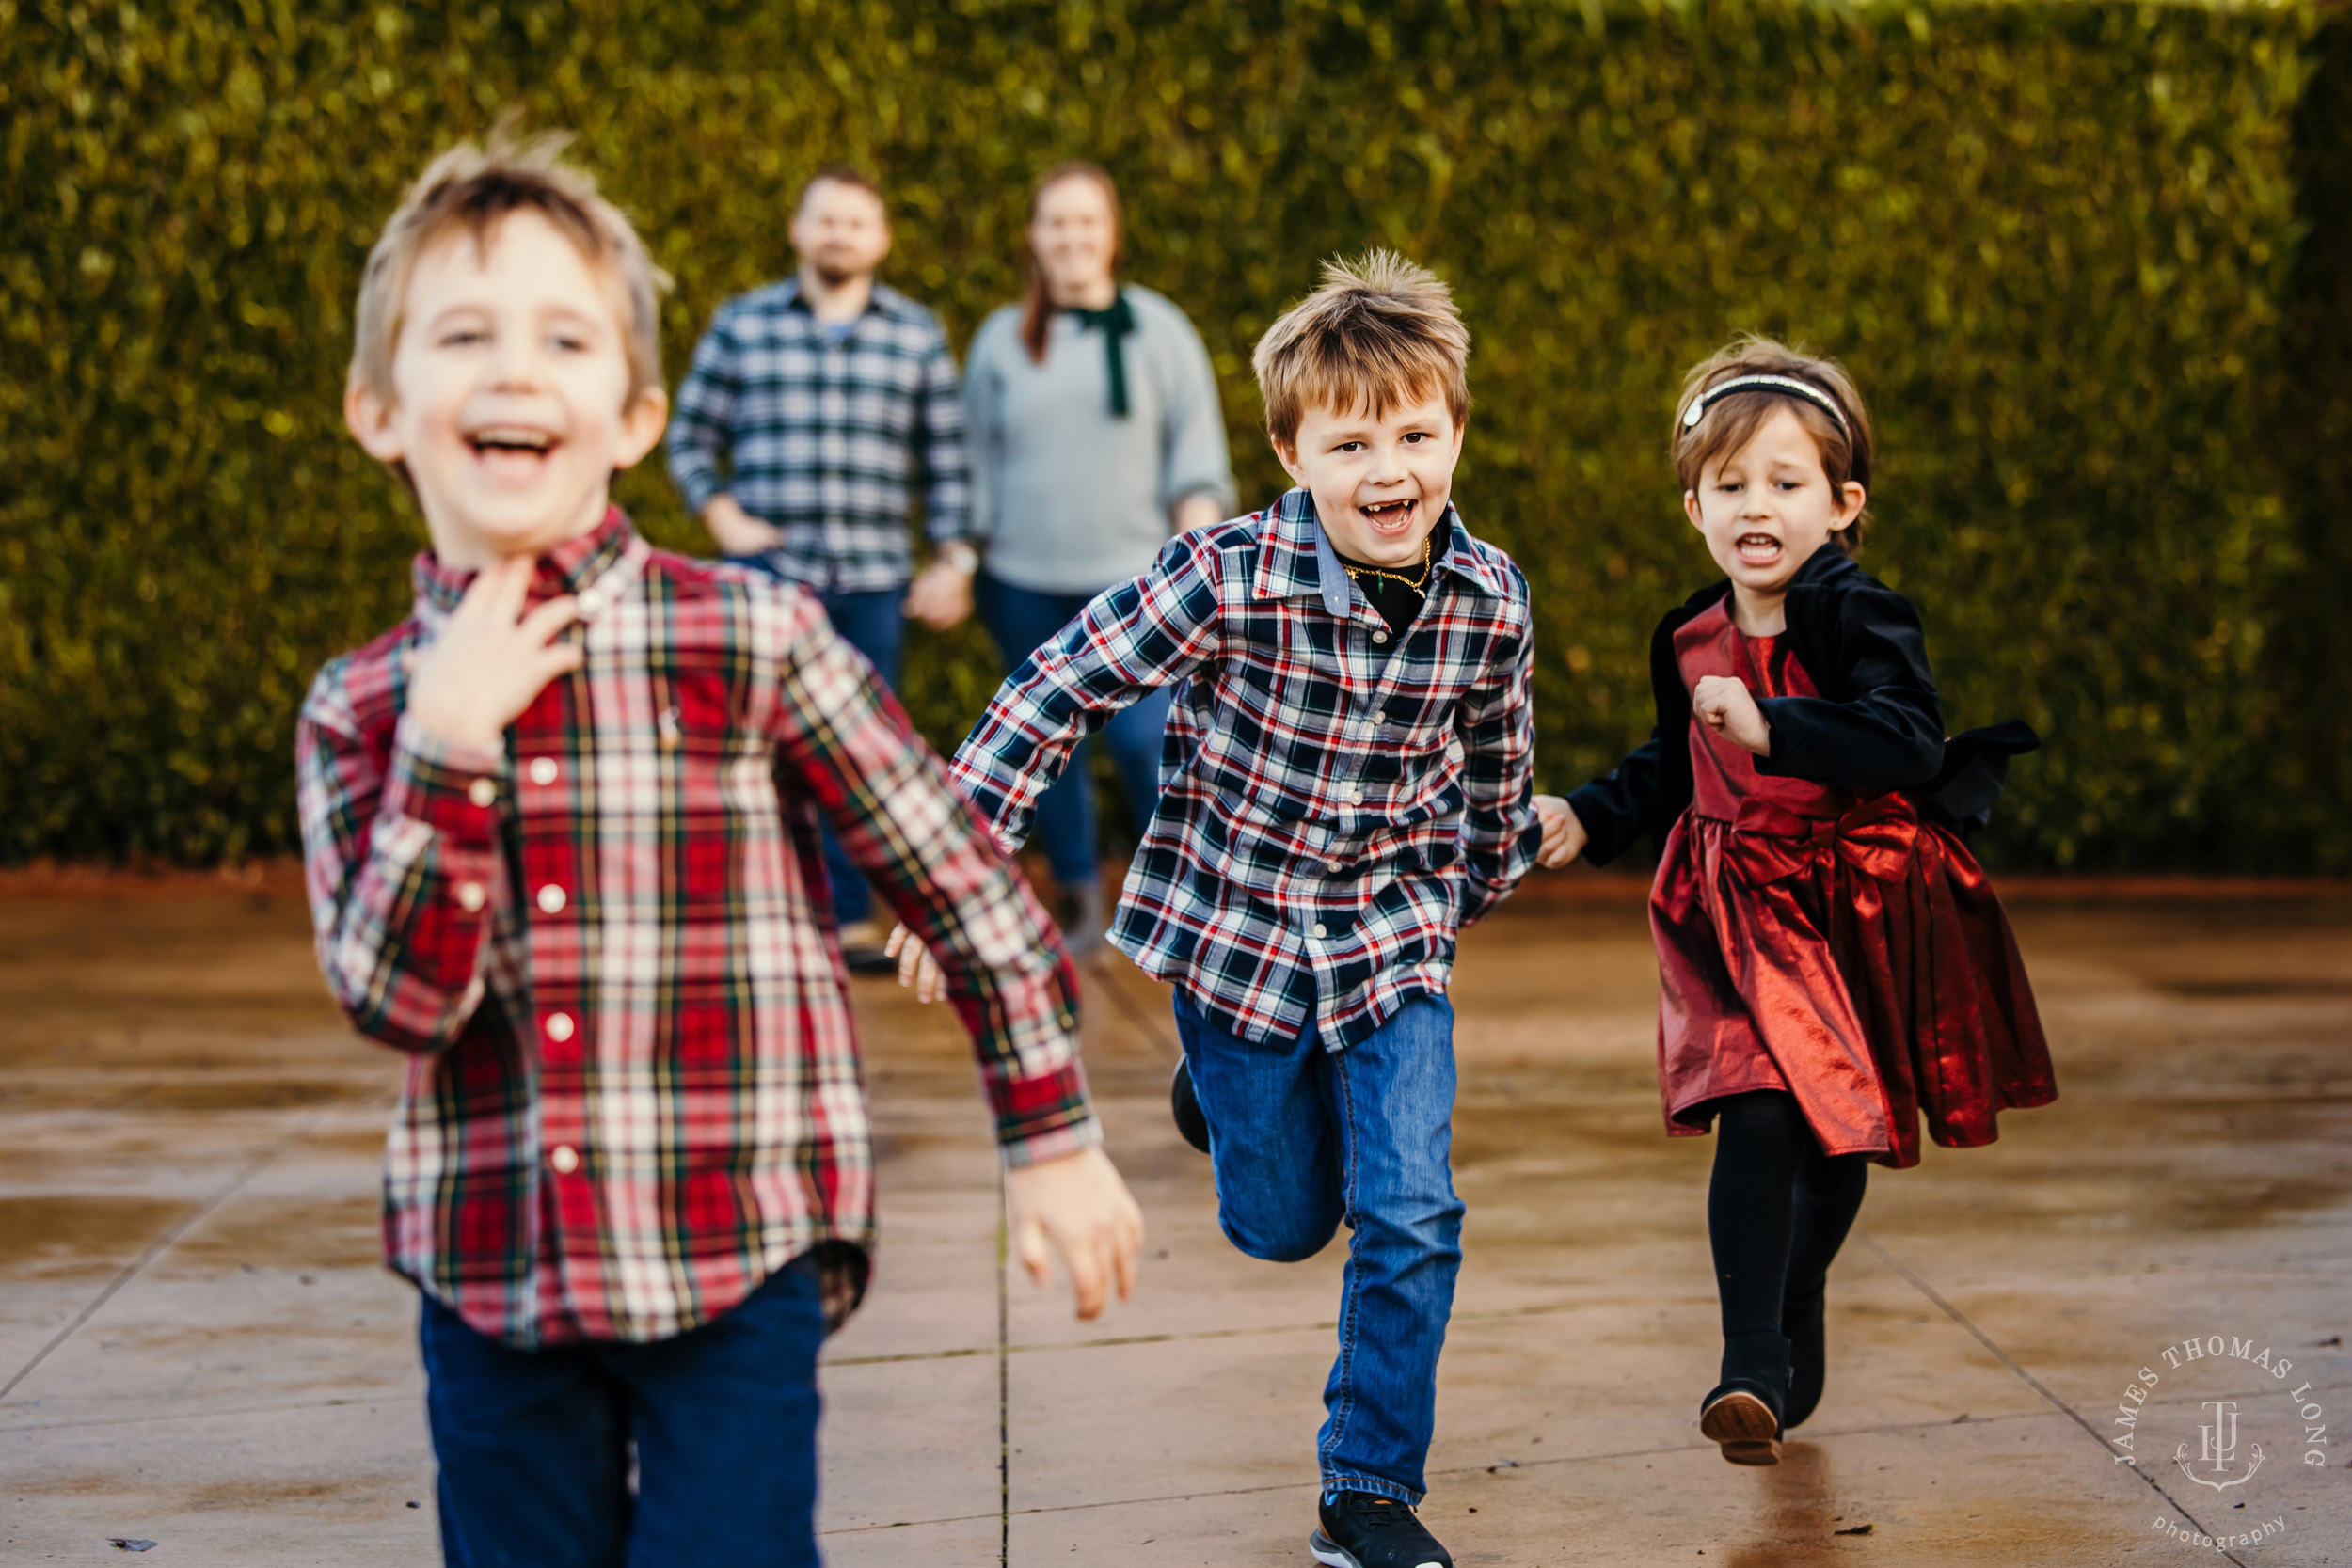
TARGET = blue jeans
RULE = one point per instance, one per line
(875, 625)
(533, 1445)
(1022, 620)
(1301, 1138)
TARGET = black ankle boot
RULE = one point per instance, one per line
(1808, 1356)
(1742, 1414)
(1185, 1105)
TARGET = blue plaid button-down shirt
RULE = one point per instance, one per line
(826, 436)
(1338, 799)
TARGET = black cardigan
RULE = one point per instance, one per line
(1875, 726)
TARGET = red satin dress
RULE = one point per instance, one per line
(1831, 944)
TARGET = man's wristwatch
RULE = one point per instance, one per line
(960, 554)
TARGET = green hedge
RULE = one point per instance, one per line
(2057, 245)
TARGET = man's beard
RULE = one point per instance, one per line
(833, 274)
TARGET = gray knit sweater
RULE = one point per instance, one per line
(1068, 500)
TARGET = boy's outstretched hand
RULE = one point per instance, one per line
(917, 967)
(491, 660)
(1564, 835)
(1077, 1204)
(1723, 704)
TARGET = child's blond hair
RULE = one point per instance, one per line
(1730, 422)
(471, 189)
(1380, 332)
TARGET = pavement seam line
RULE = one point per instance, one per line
(156, 1249)
(1004, 1370)
(2036, 1384)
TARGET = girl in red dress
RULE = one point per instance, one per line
(1832, 963)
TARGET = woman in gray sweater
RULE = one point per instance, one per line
(1095, 435)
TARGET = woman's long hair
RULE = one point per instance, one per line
(1037, 306)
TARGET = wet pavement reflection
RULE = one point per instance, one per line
(198, 1347)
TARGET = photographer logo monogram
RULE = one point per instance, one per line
(2221, 1442)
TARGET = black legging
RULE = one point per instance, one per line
(1777, 1209)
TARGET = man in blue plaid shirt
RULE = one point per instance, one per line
(1348, 780)
(813, 412)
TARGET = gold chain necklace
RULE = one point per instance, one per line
(1357, 574)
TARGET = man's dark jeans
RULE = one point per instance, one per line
(533, 1445)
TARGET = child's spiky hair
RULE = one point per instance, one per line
(1380, 332)
(472, 189)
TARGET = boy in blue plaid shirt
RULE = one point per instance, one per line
(1347, 782)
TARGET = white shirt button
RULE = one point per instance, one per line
(564, 1158)
(559, 1027)
(482, 792)
(590, 602)
(552, 899)
(471, 897)
(1380, 637)
(543, 771)
(1335, 865)
(1319, 930)
(1356, 796)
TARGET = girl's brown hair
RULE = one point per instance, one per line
(1732, 420)
(1037, 306)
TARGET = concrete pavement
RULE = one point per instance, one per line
(198, 1347)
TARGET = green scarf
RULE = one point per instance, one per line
(1116, 321)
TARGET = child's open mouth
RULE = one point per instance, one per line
(1757, 549)
(1390, 517)
(512, 451)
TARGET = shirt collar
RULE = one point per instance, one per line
(879, 300)
(1298, 559)
(572, 566)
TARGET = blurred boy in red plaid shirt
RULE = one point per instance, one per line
(561, 833)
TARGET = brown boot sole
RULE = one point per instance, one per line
(1743, 1426)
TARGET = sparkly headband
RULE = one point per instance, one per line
(1787, 386)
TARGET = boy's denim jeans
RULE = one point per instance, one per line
(533, 1445)
(875, 625)
(1301, 1138)
(1021, 619)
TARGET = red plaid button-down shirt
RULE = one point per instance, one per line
(635, 1090)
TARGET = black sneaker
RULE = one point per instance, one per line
(1362, 1530)
(1741, 1415)
(1808, 1360)
(1187, 1105)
